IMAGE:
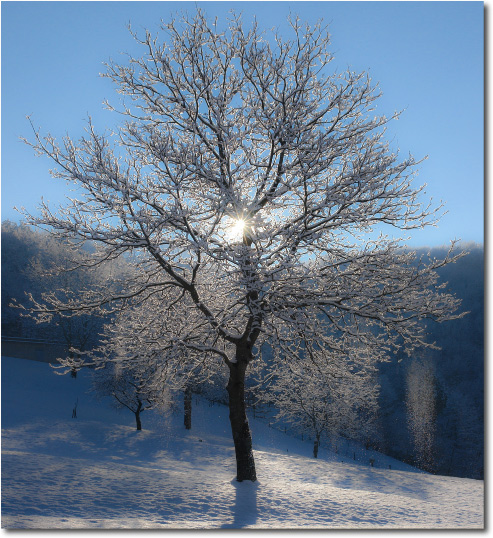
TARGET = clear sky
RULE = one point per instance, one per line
(427, 56)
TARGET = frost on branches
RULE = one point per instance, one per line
(323, 392)
(163, 345)
(130, 388)
(247, 179)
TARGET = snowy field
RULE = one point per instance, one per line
(97, 471)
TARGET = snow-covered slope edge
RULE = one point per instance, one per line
(97, 471)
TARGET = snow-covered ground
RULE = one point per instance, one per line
(97, 471)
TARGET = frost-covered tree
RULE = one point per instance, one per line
(421, 411)
(79, 333)
(322, 392)
(256, 183)
(131, 388)
(163, 336)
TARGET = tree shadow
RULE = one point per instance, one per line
(244, 510)
(393, 482)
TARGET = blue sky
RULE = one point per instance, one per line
(427, 57)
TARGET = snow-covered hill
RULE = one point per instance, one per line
(97, 471)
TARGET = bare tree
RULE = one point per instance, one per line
(322, 391)
(131, 388)
(164, 346)
(253, 182)
(80, 333)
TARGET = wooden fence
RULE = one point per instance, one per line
(37, 350)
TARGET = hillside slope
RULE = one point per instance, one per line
(97, 471)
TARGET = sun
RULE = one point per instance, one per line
(238, 226)
(237, 229)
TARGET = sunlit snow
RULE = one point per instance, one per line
(97, 471)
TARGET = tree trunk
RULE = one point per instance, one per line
(316, 444)
(137, 417)
(73, 371)
(187, 399)
(242, 437)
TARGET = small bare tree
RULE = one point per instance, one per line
(253, 181)
(321, 391)
(127, 389)
(162, 336)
